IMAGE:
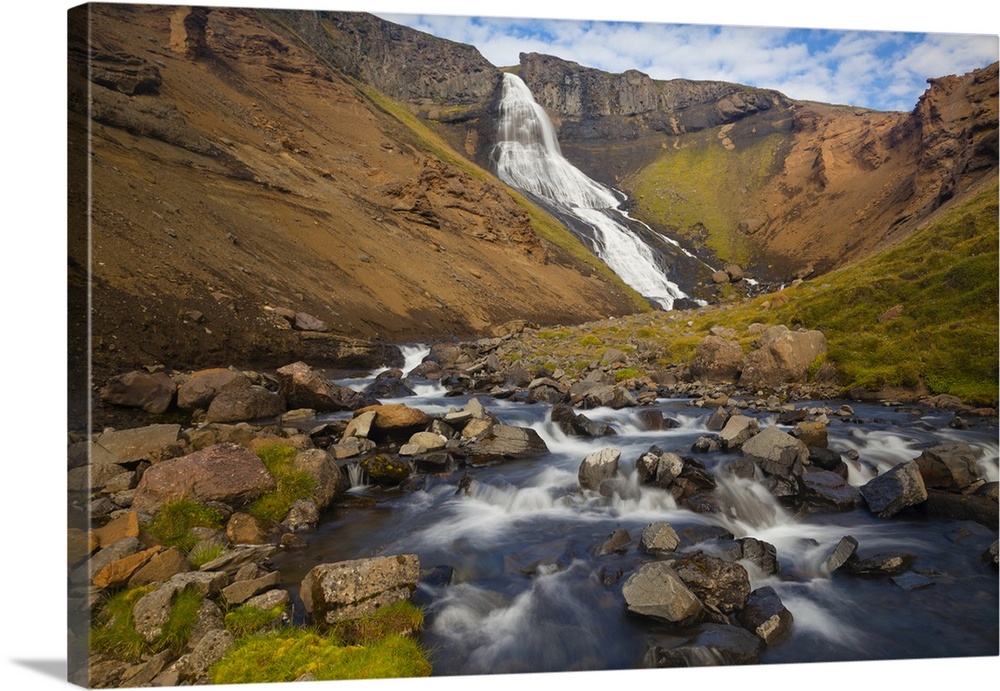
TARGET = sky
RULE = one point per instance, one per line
(881, 69)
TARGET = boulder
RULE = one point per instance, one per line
(575, 424)
(224, 473)
(963, 507)
(244, 529)
(812, 433)
(240, 401)
(827, 489)
(895, 490)
(782, 357)
(360, 425)
(655, 590)
(738, 429)
(386, 470)
(351, 589)
(765, 615)
(655, 421)
(395, 417)
(658, 467)
(137, 389)
(302, 515)
(203, 386)
(506, 441)
(716, 360)
(844, 551)
(881, 564)
(761, 554)
(597, 467)
(949, 466)
(715, 644)
(658, 538)
(149, 443)
(304, 387)
(717, 583)
(618, 541)
(777, 452)
(328, 479)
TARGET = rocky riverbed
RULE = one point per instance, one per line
(676, 519)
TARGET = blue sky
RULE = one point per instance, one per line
(882, 68)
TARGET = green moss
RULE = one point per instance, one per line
(288, 654)
(173, 524)
(114, 631)
(246, 620)
(629, 373)
(700, 188)
(292, 484)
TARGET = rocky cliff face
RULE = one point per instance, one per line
(240, 179)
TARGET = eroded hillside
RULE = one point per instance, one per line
(238, 177)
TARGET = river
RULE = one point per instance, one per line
(511, 582)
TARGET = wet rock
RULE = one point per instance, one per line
(597, 467)
(715, 644)
(992, 555)
(827, 459)
(706, 445)
(718, 419)
(844, 551)
(386, 470)
(656, 590)
(716, 582)
(351, 589)
(302, 515)
(827, 489)
(762, 554)
(811, 433)
(506, 441)
(617, 542)
(137, 389)
(737, 431)
(304, 387)
(396, 417)
(658, 538)
(777, 453)
(962, 507)
(655, 421)
(911, 581)
(224, 473)
(949, 466)
(578, 425)
(657, 467)
(895, 490)
(696, 534)
(389, 387)
(881, 564)
(765, 615)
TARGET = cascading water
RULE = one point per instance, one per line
(528, 157)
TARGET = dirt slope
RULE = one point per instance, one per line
(233, 173)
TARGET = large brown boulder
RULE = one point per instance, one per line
(782, 357)
(716, 360)
(203, 386)
(351, 589)
(329, 480)
(949, 466)
(395, 416)
(240, 401)
(304, 387)
(224, 472)
(656, 590)
(137, 389)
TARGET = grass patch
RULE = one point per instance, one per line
(292, 484)
(114, 631)
(172, 525)
(629, 373)
(397, 619)
(206, 551)
(246, 620)
(288, 654)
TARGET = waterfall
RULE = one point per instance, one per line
(528, 157)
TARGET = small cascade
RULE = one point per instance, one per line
(528, 157)
(357, 478)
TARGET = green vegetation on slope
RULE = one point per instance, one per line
(945, 337)
(701, 188)
(945, 278)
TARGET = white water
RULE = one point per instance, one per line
(528, 157)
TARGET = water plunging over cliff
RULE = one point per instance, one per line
(527, 157)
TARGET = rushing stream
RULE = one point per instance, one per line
(519, 588)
